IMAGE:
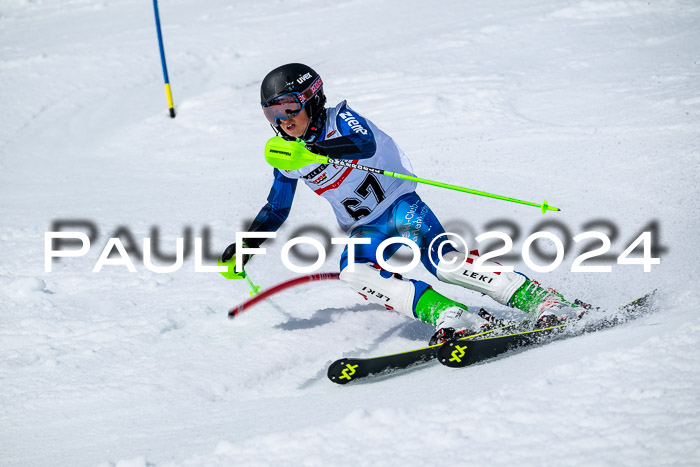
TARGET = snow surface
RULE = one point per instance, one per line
(594, 105)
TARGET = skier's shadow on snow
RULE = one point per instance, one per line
(413, 329)
(320, 317)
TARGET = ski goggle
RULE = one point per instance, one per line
(289, 105)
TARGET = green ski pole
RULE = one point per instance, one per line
(253, 288)
(292, 155)
(232, 274)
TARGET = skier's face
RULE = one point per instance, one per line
(296, 126)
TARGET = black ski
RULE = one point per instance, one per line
(464, 352)
(479, 347)
(349, 369)
(344, 370)
(467, 351)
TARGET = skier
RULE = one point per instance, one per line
(374, 208)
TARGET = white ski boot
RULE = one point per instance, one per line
(455, 322)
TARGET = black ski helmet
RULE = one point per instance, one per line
(296, 78)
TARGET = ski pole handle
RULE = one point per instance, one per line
(231, 273)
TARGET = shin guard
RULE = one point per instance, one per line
(498, 285)
(382, 287)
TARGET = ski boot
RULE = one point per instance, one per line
(549, 307)
(457, 322)
(452, 320)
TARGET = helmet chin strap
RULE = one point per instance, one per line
(317, 127)
(308, 124)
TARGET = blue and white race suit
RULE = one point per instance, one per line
(365, 204)
(377, 207)
(357, 197)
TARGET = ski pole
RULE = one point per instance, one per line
(168, 94)
(253, 288)
(292, 155)
(232, 274)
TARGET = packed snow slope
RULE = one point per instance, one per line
(593, 105)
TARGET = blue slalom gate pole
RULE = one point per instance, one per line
(162, 59)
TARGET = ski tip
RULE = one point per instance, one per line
(341, 371)
(645, 300)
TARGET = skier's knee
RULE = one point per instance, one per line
(498, 285)
(380, 286)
